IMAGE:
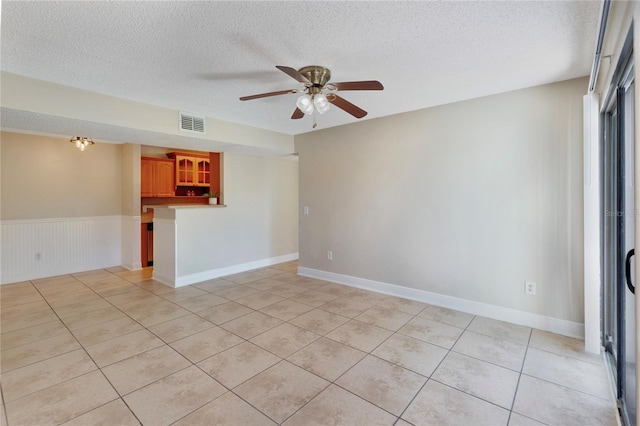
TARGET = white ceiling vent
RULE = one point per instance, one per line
(191, 123)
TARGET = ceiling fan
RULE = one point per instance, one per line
(318, 93)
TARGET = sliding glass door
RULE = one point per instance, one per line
(618, 228)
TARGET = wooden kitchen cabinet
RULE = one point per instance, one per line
(203, 174)
(184, 171)
(191, 170)
(157, 177)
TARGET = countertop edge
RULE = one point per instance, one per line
(184, 206)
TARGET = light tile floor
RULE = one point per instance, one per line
(269, 347)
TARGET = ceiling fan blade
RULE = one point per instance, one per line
(297, 114)
(265, 95)
(358, 85)
(292, 72)
(347, 106)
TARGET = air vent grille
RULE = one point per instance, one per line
(191, 123)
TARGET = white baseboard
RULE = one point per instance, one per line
(132, 267)
(164, 279)
(541, 322)
(222, 272)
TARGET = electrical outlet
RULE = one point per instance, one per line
(305, 210)
(330, 255)
(38, 256)
(530, 288)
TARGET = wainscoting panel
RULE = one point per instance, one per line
(131, 242)
(41, 248)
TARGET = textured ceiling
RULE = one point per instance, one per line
(201, 57)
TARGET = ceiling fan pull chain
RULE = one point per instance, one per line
(314, 120)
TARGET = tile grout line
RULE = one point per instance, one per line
(566, 356)
(301, 348)
(567, 387)
(524, 359)
(192, 363)
(306, 403)
(4, 407)
(436, 368)
(244, 341)
(290, 297)
(350, 368)
(61, 322)
(370, 354)
(325, 336)
(81, 347)
(120, 397)
(522, 373)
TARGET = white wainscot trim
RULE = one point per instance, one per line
(131, 242)
(541, 322)
(40, 248)
(222, 272)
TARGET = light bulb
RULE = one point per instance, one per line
(321, 103)
(305, 104)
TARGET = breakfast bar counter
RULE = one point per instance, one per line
(192, 243)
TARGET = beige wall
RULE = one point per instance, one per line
(27, 94)
(467, 200)
(48, 177)
(130, 179)
(259, 222)
(262, 192)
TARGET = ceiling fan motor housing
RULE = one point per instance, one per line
(317, 75)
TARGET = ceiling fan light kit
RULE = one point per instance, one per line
(305, 104)
(308, 104)
(318, 92)
(321, 103)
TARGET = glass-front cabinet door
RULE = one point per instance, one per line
(184, 171)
